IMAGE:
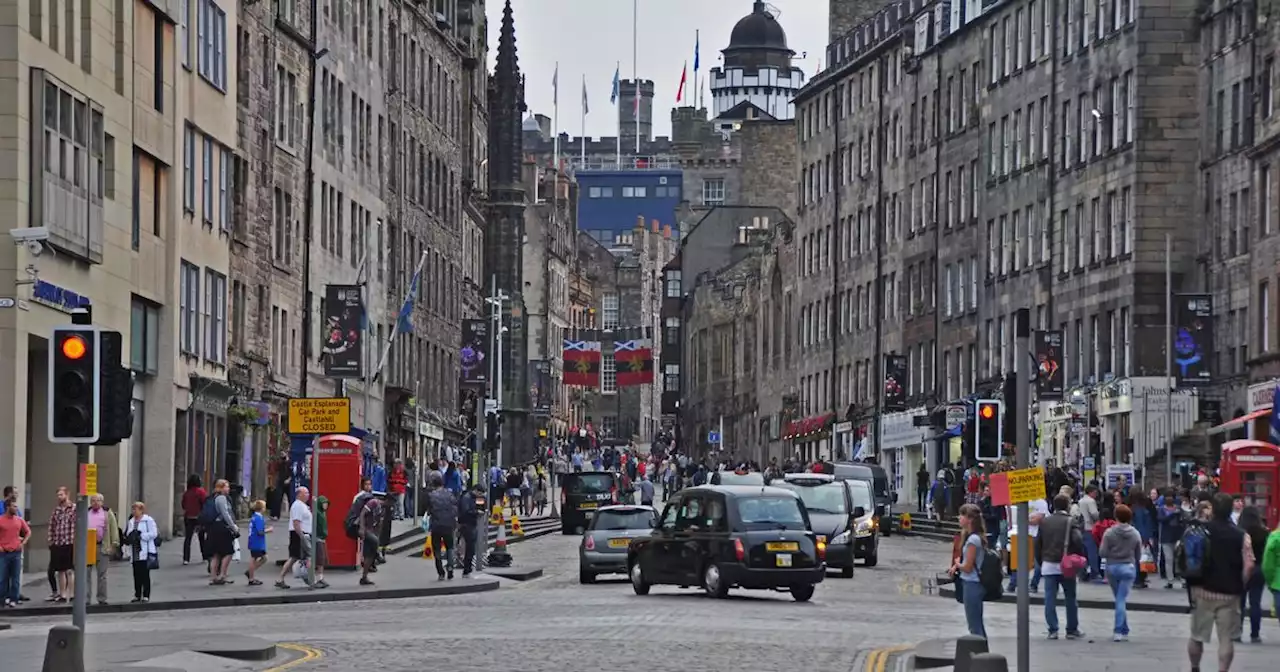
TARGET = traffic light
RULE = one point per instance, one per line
(74, 380)
(988, 430)
(115, 391)
(493, 437)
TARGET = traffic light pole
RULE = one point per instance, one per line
(80, 599)
(1022, 439)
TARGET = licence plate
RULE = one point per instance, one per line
(782, 546)
(588, 505)
(822, 538)
(619, 543)
(783, 559)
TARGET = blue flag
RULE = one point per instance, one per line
(697, 42)
(613, 97)
(403, 322)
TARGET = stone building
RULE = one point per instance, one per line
(961, 161)
(603, 153)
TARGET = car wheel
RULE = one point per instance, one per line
(872, 558)
(713, 581)
(586, 577)
(638, 582)
(847, 572)
(801, 593)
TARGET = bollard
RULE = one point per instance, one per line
(966, 648)
(64, 651)
(989, 662)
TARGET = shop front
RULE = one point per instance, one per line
(1060, 439)
(902, 446)
(1137, 419)
(810, 437)
(1256, 422)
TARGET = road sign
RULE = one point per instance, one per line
(1017, 487)
(956, 415)
(713, 437)
(320, 416)
(88, 479)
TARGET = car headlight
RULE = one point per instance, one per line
(865, 528)
(842, 538)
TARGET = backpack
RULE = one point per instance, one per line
(1191, 555)
(351, 524)
(991, 576)
(209, 511)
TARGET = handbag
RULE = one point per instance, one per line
(1148, 563)
(1072, 563)
(153, 561)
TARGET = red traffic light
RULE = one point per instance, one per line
(987, 411)
(74, 347)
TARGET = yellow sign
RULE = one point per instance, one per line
(1026, 485)
(320, 416)
(88, 479)
(91, 548)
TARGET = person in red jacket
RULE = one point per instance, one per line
(398, 481)
(192, 502)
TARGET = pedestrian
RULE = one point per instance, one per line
(1144, 521)
(193, 499)
(469, 519)
(1058, 537)
(540, 494)
(103, 521)
(258, 531)
(1171, 524)
(369, 521)
(443, 509)
(645, 488)
(322, 545)
(398, 481)
(299, 534)
(967, 569)
(221, 532)
(1122, 549)
(1270, 567)
(14, 535)
(1215, 596)
(140, 534)
(62, 553)
(1251, 523)
(922, 486)
(1089, 516)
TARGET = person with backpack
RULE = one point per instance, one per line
(1057, 541)
(442, 507)
(972, 567)
(1215, 557)
(1121, 547)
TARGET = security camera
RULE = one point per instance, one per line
(34, 247)
(29, 234)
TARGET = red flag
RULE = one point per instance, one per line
(634, 362)
(684, 72)
(581, 363)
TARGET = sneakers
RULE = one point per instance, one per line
(1051, 636)
(450, 575)
(282, 585)
(1119, 637)
(1078, 634)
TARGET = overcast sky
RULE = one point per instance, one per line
(590, 37)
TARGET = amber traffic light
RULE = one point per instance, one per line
(988, 430)
(74, 391)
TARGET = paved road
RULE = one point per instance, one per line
(553, 624)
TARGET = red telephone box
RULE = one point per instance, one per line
(1251, 469)
(339, 480)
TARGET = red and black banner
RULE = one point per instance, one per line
(634, 358)
(582, 360)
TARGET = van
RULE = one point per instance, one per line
(875, 476)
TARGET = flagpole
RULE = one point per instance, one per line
(395, 330)
(584, 121)
(635, 63)
(618, 104)
(555, 127)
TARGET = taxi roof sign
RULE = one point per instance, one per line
(329, 415)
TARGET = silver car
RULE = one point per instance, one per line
(604, 544)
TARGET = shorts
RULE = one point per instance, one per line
(257, 554)
(369, 549)
(322, 553)
(296, 550)
(62, 558)
(1224, 615)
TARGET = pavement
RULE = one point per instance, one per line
(1097, 595)
(552, 623)
(175, 586)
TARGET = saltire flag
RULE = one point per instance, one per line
(404, 324)
(582, 362)
(613, 97)
(697, 43)
(1275, 417)
(634, 361)
(684, 77)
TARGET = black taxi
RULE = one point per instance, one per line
(730, 536)
(842, 514)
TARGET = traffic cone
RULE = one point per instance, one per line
(516, 528)
(499, 556)
(428, 551)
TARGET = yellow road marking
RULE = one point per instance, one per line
(878, 659)
(308, 654)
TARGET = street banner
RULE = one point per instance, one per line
(540, 384)
(343, 349)
(895, 382)
(474, 356)
(582, 360)
(634, 359)
(1048, 352)
(1193, 338)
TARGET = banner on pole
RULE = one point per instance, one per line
(1048, 353)
(1193, 338)
(343, 350)
(474, 356)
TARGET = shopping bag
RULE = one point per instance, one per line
(300, 569)
(1148, 564)
(428, 552)
(235, 547)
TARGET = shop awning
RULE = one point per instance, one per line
(950, 433)
(1236, 423)
(807, 426)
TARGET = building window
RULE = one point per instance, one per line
(212, 36)
(713, 191)
(288, 111)
(226, 161)
(189, 309)
(1264, 317)
(282, 223)
(594, 192)
(239, 304)
(215, 317)
(608, 374)
(671, 378)
(184, 23)
(672, 331)
(206, 180)
(188, 169)
(144, 337)
(609, 312)
(674, 289)
(1265, 197)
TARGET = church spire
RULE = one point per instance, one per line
(506, 108)
(508, 65)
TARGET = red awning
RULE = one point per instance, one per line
(806, 426)
(1236, 423)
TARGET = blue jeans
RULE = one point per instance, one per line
(1120, 576)
(10, 573)
(972, 596)
(1095, 561)
(1253, 597)
(1035, 579)
(1051, 583)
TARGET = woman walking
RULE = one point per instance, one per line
(141, 534)
(968, 567)
(192, 503)
(1122, 549)
(1252, 525)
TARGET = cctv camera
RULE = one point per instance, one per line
(25, 235)
(34, 247)
(1096, 114)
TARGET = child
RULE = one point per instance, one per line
(322, 534)
(258, 531)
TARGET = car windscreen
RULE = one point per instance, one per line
(827, 498)
(734, 478)
(861, 495)
(625, 519)
(595, 483)
(778, 513)
(882, 486)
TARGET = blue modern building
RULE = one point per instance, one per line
(610, 200)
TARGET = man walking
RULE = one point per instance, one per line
(1089, 516)
(1215, 595)
(299, 534)
(443, 509)
(469, 516)
(645, 488)
(103, 521)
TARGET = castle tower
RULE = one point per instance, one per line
(757, 68)
(627, 114)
